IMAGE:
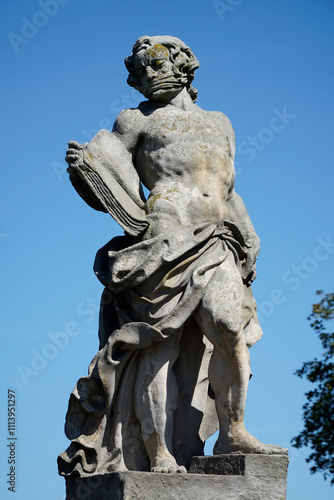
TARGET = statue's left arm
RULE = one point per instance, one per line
(239, 215)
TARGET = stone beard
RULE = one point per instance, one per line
(177, 313)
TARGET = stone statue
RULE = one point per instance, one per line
(177, 313)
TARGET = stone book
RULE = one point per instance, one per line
(110, 186)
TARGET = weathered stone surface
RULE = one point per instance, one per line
(257, 477)
(177, 314)
(225, 465)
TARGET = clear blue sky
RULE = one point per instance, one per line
(269, 67)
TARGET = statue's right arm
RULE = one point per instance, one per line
(104, 175)
(113, 152)
(128, 128)
(116, 150)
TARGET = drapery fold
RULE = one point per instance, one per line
(152, 288)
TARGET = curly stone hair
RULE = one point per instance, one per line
(184, 61)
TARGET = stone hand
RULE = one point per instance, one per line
(74, 155)
(250, 272)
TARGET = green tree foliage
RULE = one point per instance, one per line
(318, 413)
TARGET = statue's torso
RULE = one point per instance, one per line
(183, 158)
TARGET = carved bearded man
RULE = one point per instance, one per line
(177, 314)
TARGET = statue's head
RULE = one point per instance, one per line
(161, 66)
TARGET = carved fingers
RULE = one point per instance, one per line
(74, 155)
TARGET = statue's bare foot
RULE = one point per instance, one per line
(243, 442)
(167, 465)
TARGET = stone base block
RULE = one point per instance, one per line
(219, 477)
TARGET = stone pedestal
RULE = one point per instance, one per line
(220, 477)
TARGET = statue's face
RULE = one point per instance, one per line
(155, 73)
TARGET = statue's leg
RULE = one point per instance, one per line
(155, 400)
(220, 318)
